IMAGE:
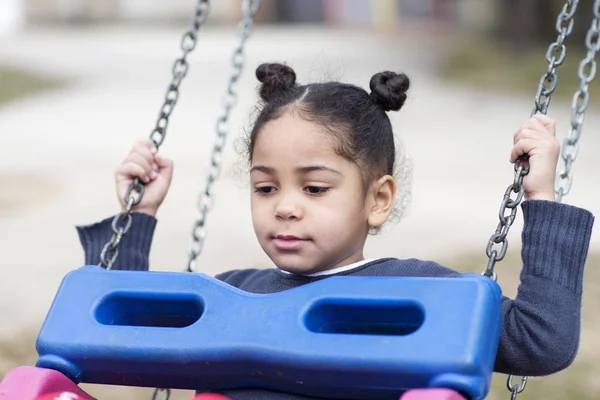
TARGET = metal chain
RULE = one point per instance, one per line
(167, 394)
(547, 85)
(516, 388)
(555, 56)
(122, 222)
(580, 103)
(249, 8)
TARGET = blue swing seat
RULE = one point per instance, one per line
(341, 337)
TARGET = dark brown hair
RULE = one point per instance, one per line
(356, 118)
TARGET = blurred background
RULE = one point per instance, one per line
(82, 80)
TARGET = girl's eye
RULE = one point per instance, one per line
(316, 190)
(265, 189)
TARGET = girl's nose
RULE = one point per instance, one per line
(288, 208)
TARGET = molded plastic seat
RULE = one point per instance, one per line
(341, 337)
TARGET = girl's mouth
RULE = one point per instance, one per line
(288, 242)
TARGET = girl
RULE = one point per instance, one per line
(322, 159)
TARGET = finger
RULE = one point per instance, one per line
(544, 119)
(165, 167)
(523, 146)
(139, 159)
(524, 130)
(526, 133)
(162, 161)
(532, 124)
(132, 170)
(548, 123)
(537, 125)
(149, 144)
(143, 150)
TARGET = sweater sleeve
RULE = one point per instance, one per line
(541, 326)
(134, 248)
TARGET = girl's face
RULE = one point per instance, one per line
(309, 209)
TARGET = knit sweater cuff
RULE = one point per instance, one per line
(556, 240)
(134, 248)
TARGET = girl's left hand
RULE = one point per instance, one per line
(537, 139)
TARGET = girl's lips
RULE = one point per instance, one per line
(288, 242)
(287, 237)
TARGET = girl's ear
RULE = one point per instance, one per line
(381, 199)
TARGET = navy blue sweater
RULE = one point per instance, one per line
(541, 326)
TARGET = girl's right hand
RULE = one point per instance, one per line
(144, 162)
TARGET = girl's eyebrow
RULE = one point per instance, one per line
(263, 169)
(303, 170)
(312, 168)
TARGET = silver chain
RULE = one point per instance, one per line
(555, 56)
(516, 388)
(122, 222)
(180, 68)
(508, 207)
(580, 103)
(249, 8)
(581, 98)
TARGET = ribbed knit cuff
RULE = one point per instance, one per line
(556, 240)
(134, 248)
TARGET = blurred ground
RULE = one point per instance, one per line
(61, 145)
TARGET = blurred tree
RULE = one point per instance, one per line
(527, 23)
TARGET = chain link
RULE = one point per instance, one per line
(555, 56)
(205, 201)
(516, 388)
(122, 222)
(166, 396)
(506, 219)
(579, 105)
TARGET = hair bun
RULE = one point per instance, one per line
(276, 79)
(388, 90)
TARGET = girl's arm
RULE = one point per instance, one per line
(144, 163)
(541, 326)
(134, 248)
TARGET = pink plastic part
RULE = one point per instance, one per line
(431, 394)
(29, 383)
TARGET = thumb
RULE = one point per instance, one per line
(165, 166)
